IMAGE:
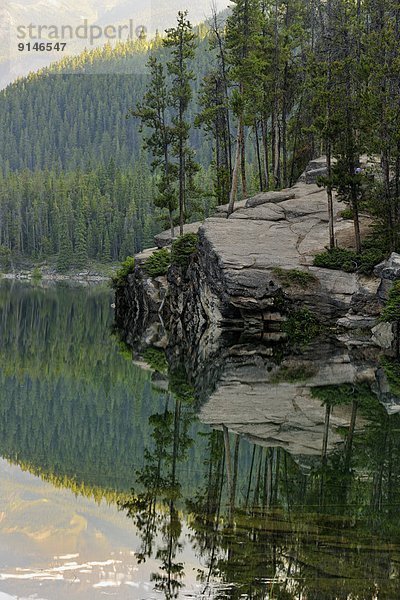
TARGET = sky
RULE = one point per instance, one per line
(80, 24)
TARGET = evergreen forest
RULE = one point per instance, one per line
(101, 151)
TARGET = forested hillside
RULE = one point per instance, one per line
(76, 182)
(63, 118)
(221, 111)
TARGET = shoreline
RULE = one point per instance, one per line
(55, 277)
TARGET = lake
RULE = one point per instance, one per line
(241, 471)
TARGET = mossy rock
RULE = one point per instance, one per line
(294, 277)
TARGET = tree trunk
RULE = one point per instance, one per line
(235, 174)
(260, 175)
(228, 462)
(326, 432)
(243, 160)
(330, 196)
(264, 129)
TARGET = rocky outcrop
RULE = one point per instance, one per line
(236, 278)
(239, 257)
(315, 169)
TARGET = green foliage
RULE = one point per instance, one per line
(127, 267)
(99, 214)
(301, 326)
(346, 393)
(36, 274)
(156, 360)
(180, 387)
(158, 263)
(183, 248)
(347, 213)
(391, 367)
(369, 259)
(391, 311)
(337, 258)
(293, 372)
(5, 258)
(349, 261)
(295, 277)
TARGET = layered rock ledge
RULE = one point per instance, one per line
(235, 280)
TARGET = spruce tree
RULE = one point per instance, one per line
(181, 42)
(153, 113)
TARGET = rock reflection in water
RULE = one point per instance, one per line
(300, 492)
(292, 491)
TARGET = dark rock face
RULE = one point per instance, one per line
(138, 303)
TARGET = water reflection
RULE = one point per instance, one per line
(300, 492)
(244, 469)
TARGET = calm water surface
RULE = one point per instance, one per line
(262, 476)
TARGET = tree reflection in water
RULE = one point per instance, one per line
(159, 483)
(289, 488)
(268, 524)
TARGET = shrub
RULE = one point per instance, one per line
(302, 326)
(346, 393)
(156, 359)
(347, 213)
(391, 311)
(158, 263)
(183, 248)
(337, 258)
(290, 277)
(369, 259)
(127, 267)
(294, 373)
(36, 273)
(391, 368)
(349, 261)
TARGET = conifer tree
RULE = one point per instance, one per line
(242, 39)
(81, 249)
(181, 42)
(153, 112)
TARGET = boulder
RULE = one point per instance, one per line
(143, 256)
(266, 197)
(390, 268)
(265, 212)
(222, 209)
(316, 168)
(383, 336)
